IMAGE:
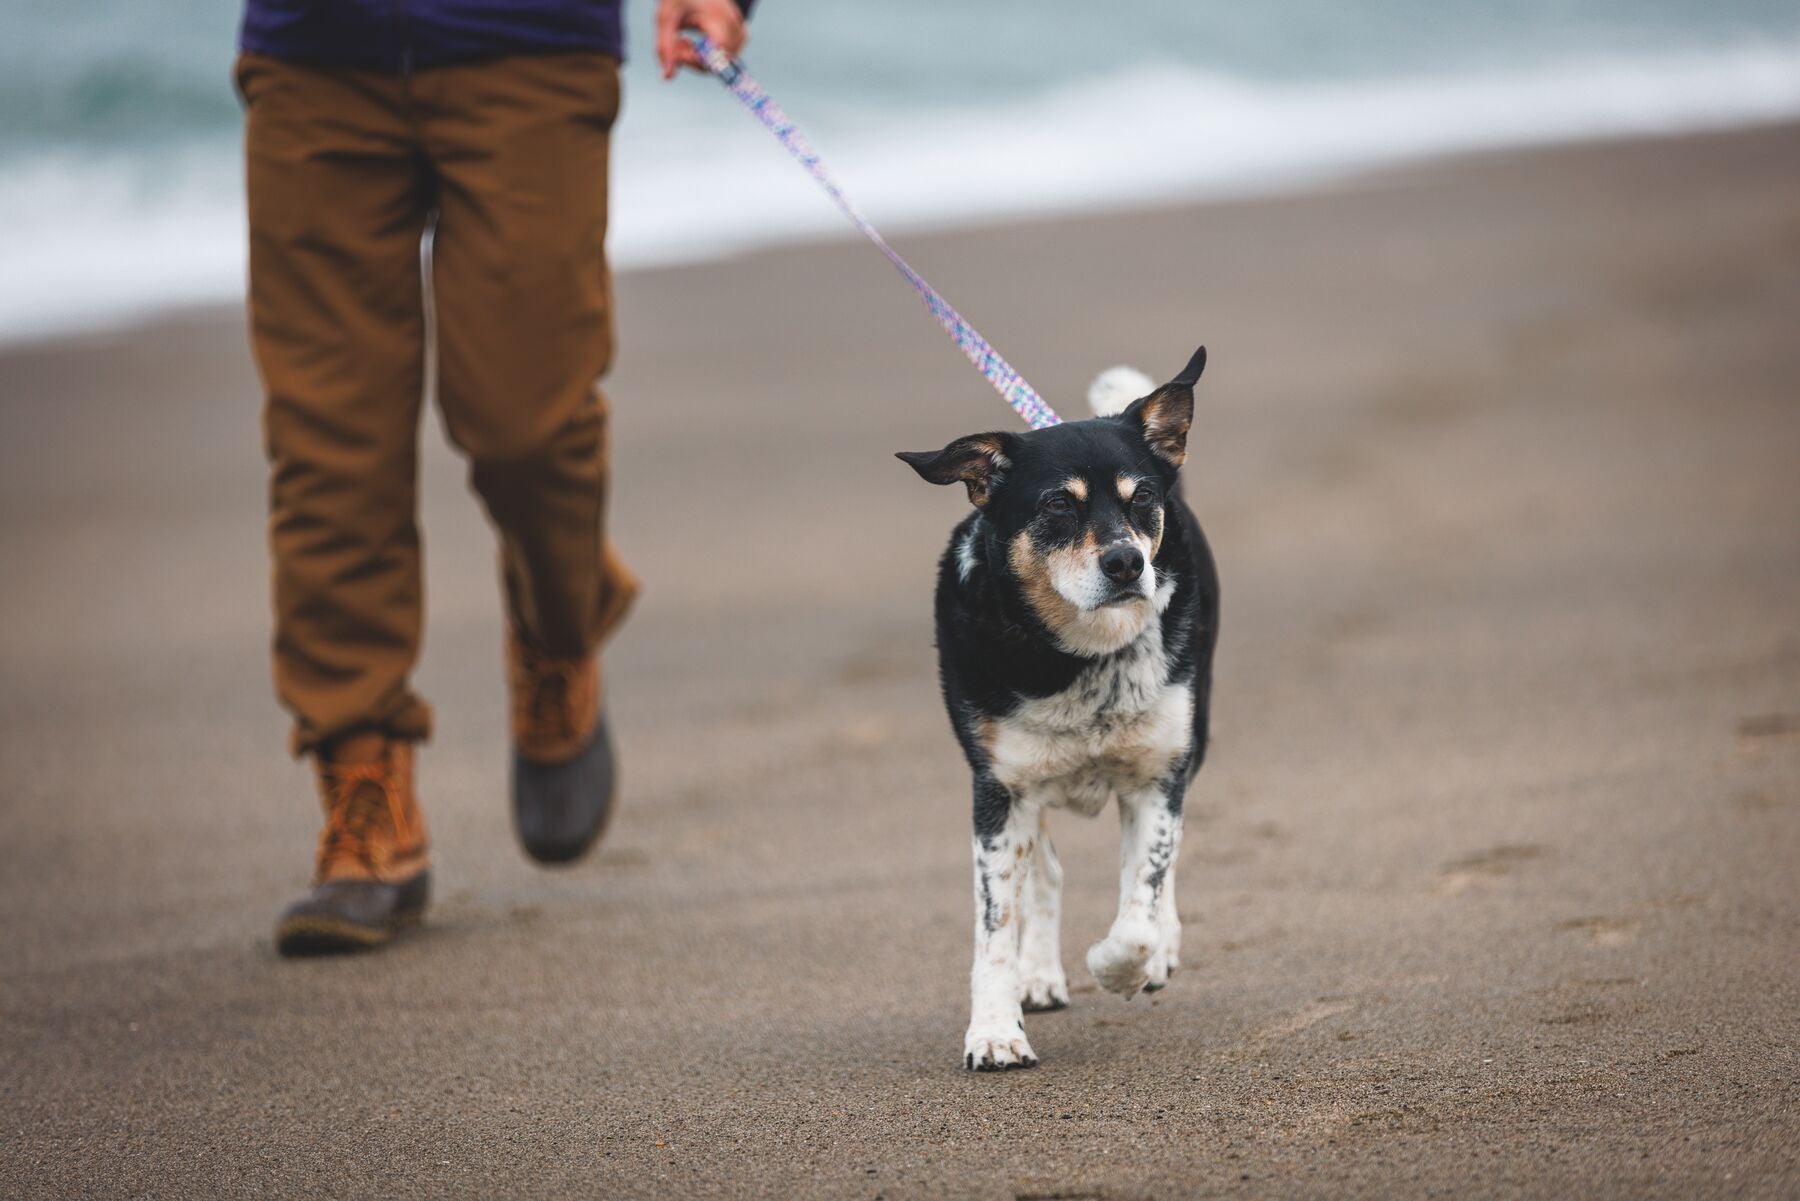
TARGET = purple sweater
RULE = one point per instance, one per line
(406, 35)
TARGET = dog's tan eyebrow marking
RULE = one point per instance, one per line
(1128, 486)
(1076, 486)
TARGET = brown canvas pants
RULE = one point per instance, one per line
(506, 161)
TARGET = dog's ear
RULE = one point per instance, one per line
(1165, 415)
(978, 460)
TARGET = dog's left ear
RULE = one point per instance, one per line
(977, 460)
(1165, 415)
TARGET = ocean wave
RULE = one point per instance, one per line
(89, 241)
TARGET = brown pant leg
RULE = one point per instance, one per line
(337, 201)
(524, 325)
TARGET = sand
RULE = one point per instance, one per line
(1490, 883)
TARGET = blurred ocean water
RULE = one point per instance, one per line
(120, 186)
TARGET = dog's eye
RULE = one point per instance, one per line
(1143, 498)
(1058, 506)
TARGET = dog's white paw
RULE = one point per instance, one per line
(1042, 991)
(1167, 957)
(1162, 965)
(987, 1049)
(1120, 962)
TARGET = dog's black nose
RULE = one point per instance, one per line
(1123, 563)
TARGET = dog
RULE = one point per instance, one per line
(1077, 610)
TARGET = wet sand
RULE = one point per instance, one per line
(1490, 883)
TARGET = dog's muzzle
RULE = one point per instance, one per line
(1123, 563)
(1123, 566)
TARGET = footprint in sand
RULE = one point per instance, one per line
(1490, 864)
(1769, 726)
(1578, 999)
(1603, 931)
(1299, 1023)
(1576, 1015)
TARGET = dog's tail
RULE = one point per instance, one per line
(1114, 389)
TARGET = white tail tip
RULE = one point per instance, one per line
(1114, 389)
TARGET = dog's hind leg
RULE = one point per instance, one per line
(1150, 825)
(1005, 841)
(1042, 984)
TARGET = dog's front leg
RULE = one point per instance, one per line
(1168, 924)
(1150, 828)
(1042, 985)
(1005, 838)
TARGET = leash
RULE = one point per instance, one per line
(998, 372)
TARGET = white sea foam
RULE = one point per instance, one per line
(91, 241)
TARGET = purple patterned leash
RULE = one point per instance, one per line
(1009, 383)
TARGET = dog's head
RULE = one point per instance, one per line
(1078, 510)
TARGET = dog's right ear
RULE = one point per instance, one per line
(978, 460)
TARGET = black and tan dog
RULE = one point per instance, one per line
(1077, 609)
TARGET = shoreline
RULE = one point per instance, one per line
(1325, 183)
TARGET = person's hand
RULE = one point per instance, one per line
(719, 20)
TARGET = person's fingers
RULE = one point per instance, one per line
(721, 23)
(669, 42)
(725, 26)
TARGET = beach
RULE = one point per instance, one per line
(1488, 883)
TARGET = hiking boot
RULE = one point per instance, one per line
(373, 876)
(563, 768)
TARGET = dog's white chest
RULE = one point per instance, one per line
(1118, 728)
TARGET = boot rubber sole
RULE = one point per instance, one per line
(320, 935)
(309, 934)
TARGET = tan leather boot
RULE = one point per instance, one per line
(563, 764)
(373, 874)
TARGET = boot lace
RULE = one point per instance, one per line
(362, 799)
(547, 708)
